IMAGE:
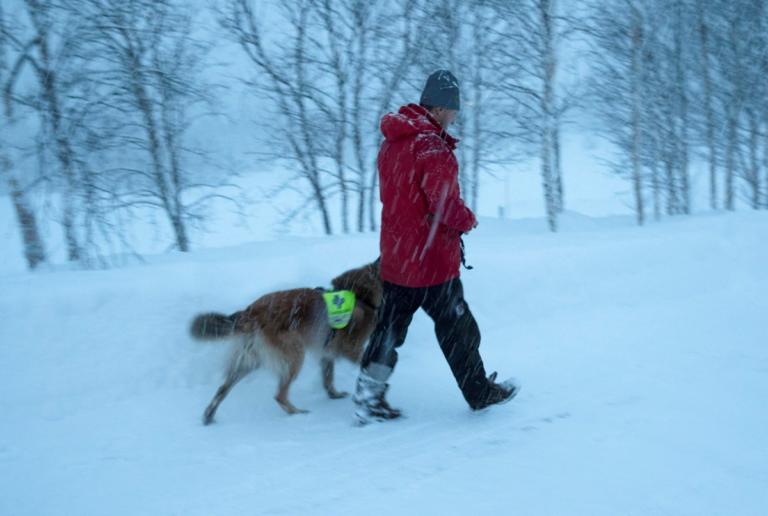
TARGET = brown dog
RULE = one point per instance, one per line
(278, 328)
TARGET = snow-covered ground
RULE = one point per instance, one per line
(643, 354)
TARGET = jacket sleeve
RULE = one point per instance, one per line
(439, 182)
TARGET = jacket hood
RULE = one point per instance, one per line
(411, 120)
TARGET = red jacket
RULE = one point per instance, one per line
(423, 215)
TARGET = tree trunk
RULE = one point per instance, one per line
(656, 190)
(339, 158)
(155, 154)
(64, 154)
(671, 186)
(340, 76)
(765, 168)
(730, 163)
(559, 193)
(636, 77)
(682, 102)
(180, 231)
(754, 165)
(34, 250)
(708, 110)
(478, 40)
(304, 123)
(357, 112)
(409, 53)
(670, 158)
(547, 183)
(321, 204)
(172, 149)
(372, 196)
(548, 115)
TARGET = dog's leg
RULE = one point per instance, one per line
(326, 363)
(235, 373)
(285, 382)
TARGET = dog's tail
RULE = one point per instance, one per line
(212, 325)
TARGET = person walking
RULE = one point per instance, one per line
(422, 221)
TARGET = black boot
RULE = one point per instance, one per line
(370, 404)
(497, 393)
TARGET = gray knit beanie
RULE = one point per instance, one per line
(441, 90)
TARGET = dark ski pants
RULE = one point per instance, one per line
(456, 329)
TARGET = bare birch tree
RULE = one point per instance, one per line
(150, 65)
(619, 86)
(34, 51)
(26, 219)
(281, 75)
(529, 46)
(396, 49)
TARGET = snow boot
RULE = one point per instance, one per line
(497, 394)
(370, 404)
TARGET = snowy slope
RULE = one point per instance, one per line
(642, 353)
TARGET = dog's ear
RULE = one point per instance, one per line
(342, 281)
(352, 279)
(358, 279)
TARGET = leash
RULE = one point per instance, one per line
(463, 259)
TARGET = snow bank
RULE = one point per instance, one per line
(642, 353)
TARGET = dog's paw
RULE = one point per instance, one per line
(336, 395)
(289, 409)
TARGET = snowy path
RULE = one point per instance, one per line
(642, 354)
